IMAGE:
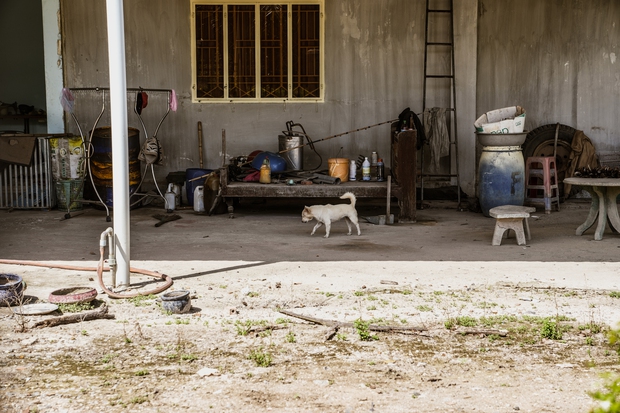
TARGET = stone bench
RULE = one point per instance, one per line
(511, 217)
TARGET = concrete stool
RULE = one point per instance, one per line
(542, 168)
(511, 217)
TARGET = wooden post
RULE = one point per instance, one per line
(404, 157)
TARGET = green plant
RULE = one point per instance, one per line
(466, 321)
(290, 337)
(141, 373)
(424, 308)
(341, 337)
(142, 300)
(261, 358)
(371, 307)
(189, 357)
(609, 396)
(550, 330)
(282, 320)
(614, 294)
(363, 330)
(75, 307)
(358, 293)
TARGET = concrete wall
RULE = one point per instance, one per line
(558, 59)
(22, 70)
(374, 69)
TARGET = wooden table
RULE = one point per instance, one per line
(604, 192)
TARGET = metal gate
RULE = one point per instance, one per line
(29, 187)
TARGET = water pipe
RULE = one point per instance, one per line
(120, 151)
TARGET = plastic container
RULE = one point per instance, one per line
(366, 170)
(190, 186)
(199, 199)
(265, 172)
(170, 197)
(339, 168)
(501, 177)
(67, 192)
(11, 289)
(352, 170)
(380, 170)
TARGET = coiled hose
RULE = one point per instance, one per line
(100, 269)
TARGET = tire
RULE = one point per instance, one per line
(540, 141)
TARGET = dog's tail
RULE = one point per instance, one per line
(350, 196)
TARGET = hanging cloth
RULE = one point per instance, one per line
(582, 154)
(437, 135)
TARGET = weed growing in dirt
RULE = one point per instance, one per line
(290, 337)
(141, 373)
(614, 294)
(75, 307)
(341, 337)
(609, 395)
(424, 308)
(282, 320)
(142, 300)
(550, 330)
(363, 330)
(260, 357)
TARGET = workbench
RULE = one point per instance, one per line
(403, 185)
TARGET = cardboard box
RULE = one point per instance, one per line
(17, 149)
(505, 120)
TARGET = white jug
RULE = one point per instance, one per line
(199, 199)
(170, 198)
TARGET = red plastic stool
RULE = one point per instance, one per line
(537, 169)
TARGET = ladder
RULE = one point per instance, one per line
(444, 47)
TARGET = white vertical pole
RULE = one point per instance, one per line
(53, 65)
(120, 152)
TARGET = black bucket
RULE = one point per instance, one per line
(101, 163)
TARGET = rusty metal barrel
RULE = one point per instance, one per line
(101, 162)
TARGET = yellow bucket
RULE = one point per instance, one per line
(339, 168)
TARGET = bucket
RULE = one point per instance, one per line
(501, 177)
(67, 192)
(294, 157)
(66, 157)
(176, 302)
(339, 168)
(101, 162)
(190, 186)
(11, 289)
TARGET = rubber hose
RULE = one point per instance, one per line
(100, 268)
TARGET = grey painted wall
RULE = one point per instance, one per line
(557, 59)
(374, 68)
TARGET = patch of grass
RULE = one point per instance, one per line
(75, 307)
(407, 292)
(614, 294)
(253, 294)
(141, 300)
(359, 293)
(290, 337)
(493, 321)
(550, 330)
(424, 308)
(362, 328)
(371, 307)
(108, 358)
(465, 321)
(372, 298)
(282, 320)
(182, 321)
(141, 373)
(261, 358)
(485, 305)
(189, 357)
(138, 400)
(341, 337)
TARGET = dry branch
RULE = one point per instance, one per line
(502, 333)
(332, 323)
(101, 312)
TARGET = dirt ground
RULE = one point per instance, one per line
(474, 327)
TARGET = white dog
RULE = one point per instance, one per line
(326, 214)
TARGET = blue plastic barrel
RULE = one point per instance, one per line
(190, 185)
(501, 177)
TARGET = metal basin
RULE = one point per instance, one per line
(501, 139)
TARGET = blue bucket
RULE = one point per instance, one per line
(190, 174)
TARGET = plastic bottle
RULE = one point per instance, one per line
(352, 170)
(170, 198)
(380, 170)
(373, 159)
(199, 199)
(177, 194)
(366, 169)
(265, 172)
